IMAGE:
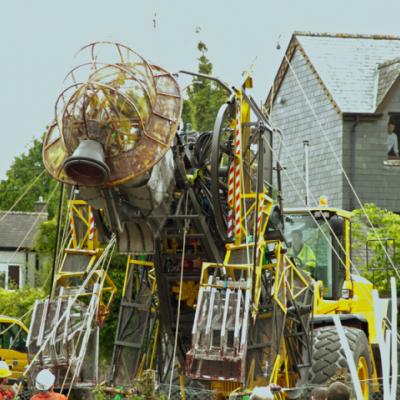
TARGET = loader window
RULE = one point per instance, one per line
(12, 337)
(315, 243)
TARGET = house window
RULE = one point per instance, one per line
(13, 276)
(3, 279)
(393, 140)
(10, 276)
(393, 137)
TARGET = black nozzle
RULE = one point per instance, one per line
(87, 166)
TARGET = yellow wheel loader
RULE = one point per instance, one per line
(13, 350)
(338, 290)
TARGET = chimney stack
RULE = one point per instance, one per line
(40, 205)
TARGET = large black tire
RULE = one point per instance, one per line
(329, 360)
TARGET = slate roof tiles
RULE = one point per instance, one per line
(357, 70)
(18, 229)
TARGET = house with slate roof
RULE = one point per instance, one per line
(338, 92)
(18, 260)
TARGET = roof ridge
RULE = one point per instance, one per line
(2, 212)
(389, 62)
(346, 35)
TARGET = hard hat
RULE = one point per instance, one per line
(4, 370)
(261, 393)
(44, 380)
(323, 200)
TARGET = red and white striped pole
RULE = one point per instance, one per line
(91, 224)
(231, 188)
(238, 180)
(260, 213)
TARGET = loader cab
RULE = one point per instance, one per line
(325, 237)
(13, 335)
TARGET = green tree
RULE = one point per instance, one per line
(205, 97)
(19, 303)
(188, 113)
(386, 226)
(24, 169)
(45, 242)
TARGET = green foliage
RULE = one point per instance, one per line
(387, 226)
(143, 388)
(45, 242)
(99, 393)
(17, 303)
(205, 97)
(107, 333)
(188, 113)
(46, 237)
(22, 172)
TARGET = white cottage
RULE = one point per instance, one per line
(18, 260)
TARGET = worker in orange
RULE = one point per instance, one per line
(5, 393)
(45, 384)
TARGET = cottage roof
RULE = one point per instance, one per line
(355, 70)
(388, 73)
(18, 229)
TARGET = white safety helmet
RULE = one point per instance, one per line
(44, 380)
(261, 393)
(4, 370)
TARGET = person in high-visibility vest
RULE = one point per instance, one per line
(302, 253)
(45, 384)
(5, 393)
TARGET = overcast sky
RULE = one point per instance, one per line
(40, 37)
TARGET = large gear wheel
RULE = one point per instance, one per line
(221, 156)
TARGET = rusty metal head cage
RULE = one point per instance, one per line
(129, 108)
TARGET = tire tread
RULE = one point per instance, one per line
(328, 354)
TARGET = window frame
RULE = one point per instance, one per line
(4, 268)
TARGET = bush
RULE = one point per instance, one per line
(386, 227)
(18, 303)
